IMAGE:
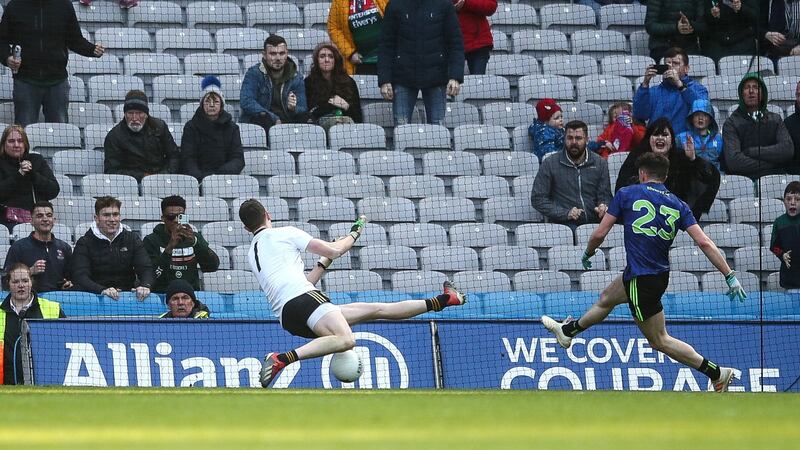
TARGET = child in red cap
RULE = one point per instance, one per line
(547, 130)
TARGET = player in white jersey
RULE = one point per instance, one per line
(275, 258)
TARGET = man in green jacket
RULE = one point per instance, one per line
(177, 251)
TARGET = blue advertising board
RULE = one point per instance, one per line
(616, 356)
(216, 353)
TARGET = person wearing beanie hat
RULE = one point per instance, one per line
(140, 145)
(757, 142)
(547, 130)
(183, 303)
(212, 144)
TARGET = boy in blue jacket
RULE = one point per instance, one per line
(703, 133)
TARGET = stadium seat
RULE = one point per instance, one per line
(573, 66)
(715, 282)
(480, 187)
(387, 210)
(78, 162)
(702, 66)
(64, 184)
(755, 259)
(240, 42)
(76, 304)
(772, 186)
(568, 257)
(121, 41)
(85, 66)
(229, 233)
(322, 211)
(512, 67)
(544, 235)
(385, 259)
(295, 186)
(309, 228)
(357, 138)
(49, 138)
(482, 89)
(604, 90)
(111, 89)
(521, 142)
(735, 186)
(137, 210)
(446, 211)
(532, 88)
(540, 43)
(356, 186)
(155, 15)
(596, 280)
(732, 235)
(250, 304)
(253, 137)
(98, 185)
(416, 186)
(213, 16)
(509, 164)
(480, 281)
(183, 41)
(630, 66)
(95, 136)
(623, 18)
(418, 139)
(210, 64)
(507, 258)
(352, 281)
(781, 90)
(510, 211)
(690, 259)
(273, 16)
(479, 139)
(368, 88)
(278, 208)
(755, 210)
(370, 236)
(23, 230)
(599, 43)
(175, 90)
(223, 255)
(82, 114)
(640, 42)
(508, 114)
(157, 110)
(385, 164)
(417, 235)
(418, 281)
(588, 113)
(478, 235)
(233, 282)
(738, 65)
(380, 114)
(680, 281)
(501, 45)
(163, 185)
(613, 239)
(229, 186)
(510, 17)
(617, 259)
(326, 163)
(717, 213)
(567, 18)
(315, 15)
(77, 89)
(448, 258)
(722, 90)
(460, 113)
(303, 40)
(99, 15)
(239, 259)
(73, 210)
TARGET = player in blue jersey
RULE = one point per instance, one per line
(652, 216)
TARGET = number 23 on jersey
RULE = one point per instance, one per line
(641, 225)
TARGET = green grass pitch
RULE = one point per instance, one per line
(132, 418)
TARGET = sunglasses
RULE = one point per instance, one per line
(170, 217)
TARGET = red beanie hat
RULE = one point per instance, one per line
(545, 109)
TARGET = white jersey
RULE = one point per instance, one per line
(275, 258)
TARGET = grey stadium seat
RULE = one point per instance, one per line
(368, 88)
(370, 236)
(111, 89)
(523, 186)
(572, 66)
(625, 65)
(702, 66)
(78, 162)
(240, 42)
(596, 280)
(80, 65)
(418, 281)
(482, 281)
(356, 186)
(509, 211)
(754, 210)
(98, 185)
(640, 42)
(510, 17)
(213, 16)
(450, 164)
(120, 41)
(732, 235)
(99, 15)
(149, 65)
(589, 113)
(567, 18)
(512, 67)
(772, 186)
(690, 259)
(230, 281)
(303, 40)
(273, 16)
(416, 186)
(448, 258)
(789, 66)
(568, 257)
(326, 163)
(738, 65)
(138, 210)
(229, 233)
(47, 138)
(295, 186)
(540, 43)
(210, 64)
(387, 209)
(315, 15)
(420, 138)
(393, 257)
(755, 259)
(508, 114)
(183, 41)
(417, 235)
(735, 186)
(175, 90)
(253, 137)
(623, 18)
(481, 139)
(478, 235)
(263, 164)
(599, 43)
(480, 186)
(386, 164)
(510, 164)
(722, 90)
(82, 114)
(323, 210)
(509, 258)
(481, 89)
(680, 281)
(613, 239)
(501, 45)
(781, 89)
(715, 282)
(604, 89)
(155, 15)
(204, 210)
(460, 113)
(163, 185)
(360, 137)
(352, 281)
(544, 235)
(542, 281)
(229, 186)
(224, 257)
(278, 208)
(446, 211)
(535, 87)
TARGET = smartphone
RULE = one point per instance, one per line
(183, 219)
(661, 68)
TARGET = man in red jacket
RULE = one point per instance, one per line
(477, 34)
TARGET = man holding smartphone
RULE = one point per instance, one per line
(176, 249)
(674, 96)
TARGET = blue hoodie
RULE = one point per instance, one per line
(546, 139)
(708, 146)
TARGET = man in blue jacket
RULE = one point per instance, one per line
(421, 49)
(273, 90)
(673, 97)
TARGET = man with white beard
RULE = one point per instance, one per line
(140, 145)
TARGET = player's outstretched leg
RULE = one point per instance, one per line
(356, 313)
(270, 368)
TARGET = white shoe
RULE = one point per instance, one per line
(725, 378)
(555, 328)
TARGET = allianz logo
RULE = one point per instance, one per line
(110, 366)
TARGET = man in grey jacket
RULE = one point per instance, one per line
(572, 187)
(756, 141)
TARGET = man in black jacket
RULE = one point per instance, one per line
(183, 303)
(109, 259)
(421, 49)
(140, 144)
(43, 32)
(47, 257)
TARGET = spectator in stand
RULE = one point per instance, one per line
(47, 257)
(25, 177)
(786, 237)
(421, 50)
(176, 250)
(621, 134)
(140, 145)
(109, 259)
(780, 28)
(572, 187)
(792, 124)
(211, 141)
(39, 36)
(476, 32)
(693, 180)
(673, 97)
(332, 95)
(703, 136)
(124, 4)
(355, 28)
(731, 28)
(757, 142)
(183, 303)
(674, 23)
(547, 130)
(21, 303)
(273, 91)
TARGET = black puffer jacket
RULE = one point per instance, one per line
(98, 263)
(46, 30)
(421, 45)
(661, 23)
(733, 33)
(211, 147)
(17, 190)
(152, 150)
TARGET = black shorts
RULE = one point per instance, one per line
(644, 295)
(297, 311)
